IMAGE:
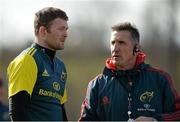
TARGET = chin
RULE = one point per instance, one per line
(117, 63)
(60, 48)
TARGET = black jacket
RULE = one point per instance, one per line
(152, 95)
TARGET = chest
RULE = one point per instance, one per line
(143, 98)
(51, 78)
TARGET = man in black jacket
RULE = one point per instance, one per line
(129, 89)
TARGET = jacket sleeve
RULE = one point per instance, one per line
(171, 101)
(89, 105)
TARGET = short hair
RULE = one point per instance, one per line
(45, 16)
(127, 26)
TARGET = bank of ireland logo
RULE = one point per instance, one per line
(147, 106)
(56, 86)
(146, 96)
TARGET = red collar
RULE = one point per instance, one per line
(140, 59)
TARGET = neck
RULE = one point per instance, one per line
(50, 53)
(42, 43)
(128, 65)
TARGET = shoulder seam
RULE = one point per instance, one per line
(31, 51)
(97, 76)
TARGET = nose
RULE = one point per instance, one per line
(65, 33)
(115, 47)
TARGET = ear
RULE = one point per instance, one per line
(138, 46)
(42, 31)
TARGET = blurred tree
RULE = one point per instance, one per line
(173, 50)
(162, 23)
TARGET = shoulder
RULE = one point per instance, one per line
(59, 62)
(29, 52)
(103, 78)
(97, 77)
(25, 57)
(97, 81)
(159, 74)
(158, 70)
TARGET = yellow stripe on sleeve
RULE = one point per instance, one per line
(64, 98)
(22, 74)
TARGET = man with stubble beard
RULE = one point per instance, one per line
(37, 78)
